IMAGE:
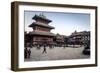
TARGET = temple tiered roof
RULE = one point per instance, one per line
(42, 33)
(41, 16)
(41, 24)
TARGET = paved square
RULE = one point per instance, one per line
(56, 53)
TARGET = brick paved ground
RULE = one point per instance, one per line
(56, 53)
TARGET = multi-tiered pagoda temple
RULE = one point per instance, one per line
(41, 30)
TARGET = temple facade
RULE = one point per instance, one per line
(41, 30)
(79, 38)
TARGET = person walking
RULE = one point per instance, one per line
(44, 49)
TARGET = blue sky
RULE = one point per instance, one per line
(64, 23)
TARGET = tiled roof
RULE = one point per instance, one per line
(81, 33)
(40, 24)
(41, 17)
(42, 33)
